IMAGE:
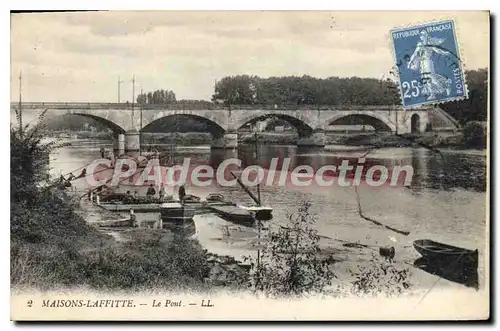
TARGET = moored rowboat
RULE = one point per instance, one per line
(445, 254)
(234, 214)
(178, 218)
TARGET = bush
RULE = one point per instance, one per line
(290, 264)
(381, 277)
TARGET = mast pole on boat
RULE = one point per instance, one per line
(20, 104)
(258, 204)
(257, 158)
(133, 98)
(140, 130)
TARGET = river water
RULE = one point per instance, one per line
(445, 202)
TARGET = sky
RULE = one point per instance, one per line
(72, 57)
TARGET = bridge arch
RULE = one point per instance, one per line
(303, 128)
(415, 123)
(210, 125)
(378, 121)
(32, 118)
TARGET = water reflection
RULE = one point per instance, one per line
(455, 272)
(431, 171)
(453, 170)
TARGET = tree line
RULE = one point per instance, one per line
(158, 97)
(305, 90)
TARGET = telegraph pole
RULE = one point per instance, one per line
(133, 98)
(119, 86)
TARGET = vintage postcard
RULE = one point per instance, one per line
(267, 165)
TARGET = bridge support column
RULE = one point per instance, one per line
(132, 141)
(229, 141)
(119, 144)
(315, 139)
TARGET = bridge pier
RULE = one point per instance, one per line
(228, 141)
(132, 141)
(315, 139)
(119, 144)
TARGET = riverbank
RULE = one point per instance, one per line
(454, 140)
(473, 136)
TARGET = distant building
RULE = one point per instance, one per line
(261, 125)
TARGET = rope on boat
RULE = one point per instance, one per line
(360, 211)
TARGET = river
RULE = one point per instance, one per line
(445, 202)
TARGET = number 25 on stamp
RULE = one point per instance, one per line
(429, 65)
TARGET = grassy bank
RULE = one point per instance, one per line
(52, 247)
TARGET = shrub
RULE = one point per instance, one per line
(380, 277)
(290, 263)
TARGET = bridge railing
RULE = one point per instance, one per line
(196, 106)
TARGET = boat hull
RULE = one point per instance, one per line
(141, 208)
(446, 255)
(260, 213)
(234, 214)
(178, 218)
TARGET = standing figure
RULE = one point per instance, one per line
(421, 60)
(151, 192)
(182, 192)
(162, 193)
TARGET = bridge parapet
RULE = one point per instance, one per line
(198, 106)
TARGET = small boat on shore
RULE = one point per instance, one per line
(442, 254)
(260, 213)
(234, 214)
(178, 218)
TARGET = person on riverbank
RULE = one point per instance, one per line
(182, 193)
(151, 192)
(128, 197)
(162, 193)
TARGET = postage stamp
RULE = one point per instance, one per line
(429, 65)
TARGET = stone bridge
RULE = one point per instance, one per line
(224, 122)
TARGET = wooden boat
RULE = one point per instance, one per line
(260, 213)
(233, 214)
(178, 218)
(442, 254)
(136, 207)
(120, 202)
(215, 197)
